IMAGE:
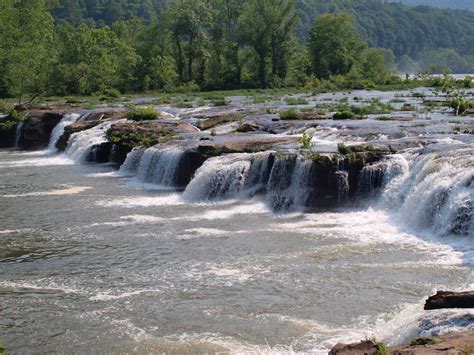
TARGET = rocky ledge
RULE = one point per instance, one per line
(452, 344)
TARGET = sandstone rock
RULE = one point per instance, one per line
(212, 122)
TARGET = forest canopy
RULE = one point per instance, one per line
(116, 46)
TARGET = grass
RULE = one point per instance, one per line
(293, 101)
(142, 114)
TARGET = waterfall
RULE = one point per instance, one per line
(19, 127)
(433, 191)
(131, 164)
(157, 166)
(289, 182)
(58, 131)
(81, 144)
(220, 178)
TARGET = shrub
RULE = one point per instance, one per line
(343, 149)
(220, 102)
(290, 114)
(344, 115)
(111, 92)
(460, 105)
(305, 141)
(142, 114)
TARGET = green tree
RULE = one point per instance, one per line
(371, 65)
(267, 27)
(334, 45)
(188, 23)
(92, 60)
(26, 35)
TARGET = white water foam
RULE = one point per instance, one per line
(19, 127)
(58, 131)
(59, 192)
(145, 201)
(153, 168)
(81, 143)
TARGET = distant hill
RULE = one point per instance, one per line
(445, 4)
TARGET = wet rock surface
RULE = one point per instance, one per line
(447, 299)
(62, 143)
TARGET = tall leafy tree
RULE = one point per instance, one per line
(334, 45)
(188, 22)
(25, 44)
(267, 26)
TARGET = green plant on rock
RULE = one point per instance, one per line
(290, 114)
(305, 141)
(343, 149)
(293, 101)
(142, 114)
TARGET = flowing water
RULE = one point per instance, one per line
(92, 261)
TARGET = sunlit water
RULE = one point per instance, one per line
(91, 262)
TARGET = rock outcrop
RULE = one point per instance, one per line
(8, 127)
(36, 131)
(451, 344)
(446, 299)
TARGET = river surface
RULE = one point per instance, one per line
(90, 260)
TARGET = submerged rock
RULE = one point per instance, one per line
(446, 299)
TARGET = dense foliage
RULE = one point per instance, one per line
(221, 44)
(388, 24)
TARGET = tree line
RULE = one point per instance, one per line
(191, 45)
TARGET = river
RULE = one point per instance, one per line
(93, 259)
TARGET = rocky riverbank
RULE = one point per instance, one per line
(455, 343)
(452, 344)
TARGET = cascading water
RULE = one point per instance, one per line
(58, 131)
(81, 144)
(288, 183)
(433, 191)
(220, 178)
(19, 127)
(154, 166)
